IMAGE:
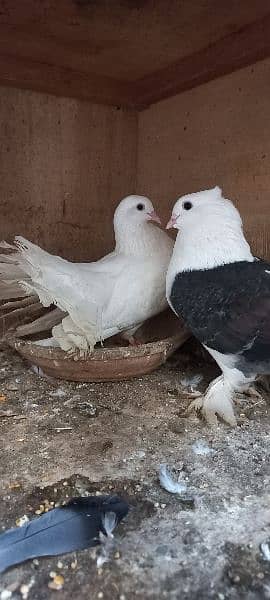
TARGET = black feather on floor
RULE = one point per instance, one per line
(75, 526)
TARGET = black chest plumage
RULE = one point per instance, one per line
(227, 307)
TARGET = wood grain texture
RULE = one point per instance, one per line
(64, 166)
(129, 53)
(215, 134)
(29, 74)
(239, 49)
(123, 39)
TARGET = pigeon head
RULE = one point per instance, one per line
(207, 209)
(210, 231)
(134, 211)
(135, 234)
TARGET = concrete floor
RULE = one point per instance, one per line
(61, 439)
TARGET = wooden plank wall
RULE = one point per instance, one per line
(64, 165)
(218, 133)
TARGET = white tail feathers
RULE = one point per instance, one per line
(11, 274)
(28, 266)
(20, 261)
(28, 269)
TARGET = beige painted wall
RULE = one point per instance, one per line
(218, 133)
(64, 165)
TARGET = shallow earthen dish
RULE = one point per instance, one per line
(159, 338)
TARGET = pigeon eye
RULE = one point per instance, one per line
(140, 206)
(187, 205)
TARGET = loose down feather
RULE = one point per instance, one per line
(168, 482)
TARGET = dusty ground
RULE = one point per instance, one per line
(115, 438)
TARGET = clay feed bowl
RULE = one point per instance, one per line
(160, 337)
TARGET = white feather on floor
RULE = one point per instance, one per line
(168, 482)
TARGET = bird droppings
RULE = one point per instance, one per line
(165, 544)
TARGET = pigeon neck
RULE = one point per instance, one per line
(202, 249)
(136, 239)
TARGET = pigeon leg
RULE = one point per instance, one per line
(218, 400)
(133, 341)
(129, 336)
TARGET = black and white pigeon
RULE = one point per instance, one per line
(223, 293)
(114, 295)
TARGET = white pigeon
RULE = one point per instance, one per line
(223, 293)
(113, 295)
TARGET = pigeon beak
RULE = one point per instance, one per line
(152, 216)
(171, 223)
